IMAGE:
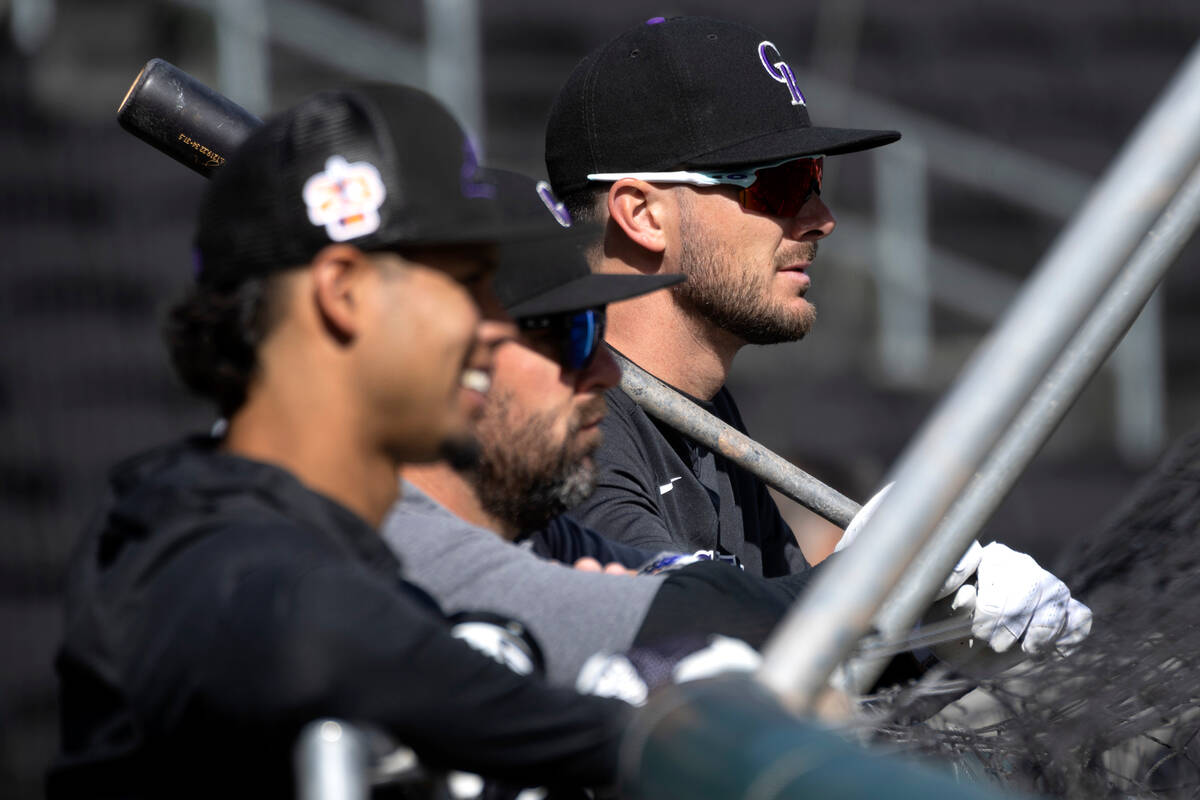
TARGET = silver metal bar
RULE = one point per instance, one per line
(335, 38)
(1139, 386)
(332, 761)
(453, 47)
(823, 627)
(664, 403)
(1113, 316)
(243, 52)
(904, 307)
(31, 23)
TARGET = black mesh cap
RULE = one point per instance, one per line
(686, 92)
(548, 273)
(377, 166)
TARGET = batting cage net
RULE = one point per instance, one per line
(1118, 718)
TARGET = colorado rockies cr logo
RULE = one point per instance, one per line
(778, 69)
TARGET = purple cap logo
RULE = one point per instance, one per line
(561, 215)
(780, 71)
(467, 184)
(655, 20)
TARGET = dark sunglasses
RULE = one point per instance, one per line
(783, 190)
(780, 189)
(577, 335)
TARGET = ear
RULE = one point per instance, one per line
(642, 210)
(339, 276)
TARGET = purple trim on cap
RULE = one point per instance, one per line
(466, 176)
(655, 20)
(554, 204)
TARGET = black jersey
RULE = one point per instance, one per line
(659, 490)
(219, 605)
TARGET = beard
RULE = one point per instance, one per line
(737, 300)
(521, 476)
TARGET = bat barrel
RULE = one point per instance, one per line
(177, 114)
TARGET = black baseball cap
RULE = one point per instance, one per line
(548, 273)
(379, 166)
(685, 92)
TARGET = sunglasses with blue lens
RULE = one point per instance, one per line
(576, 335)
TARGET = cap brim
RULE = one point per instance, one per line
(794, 142)
(592, 290)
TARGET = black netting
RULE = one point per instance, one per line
(1121, 716)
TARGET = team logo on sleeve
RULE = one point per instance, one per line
(345, 198)
(778, 69)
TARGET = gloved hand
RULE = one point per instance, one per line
(1013, 599)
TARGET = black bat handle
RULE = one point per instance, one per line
(177, 114)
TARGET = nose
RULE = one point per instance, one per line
(600, 375)
(813, 221)
(491, 333)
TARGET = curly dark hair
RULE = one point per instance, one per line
(213, 336)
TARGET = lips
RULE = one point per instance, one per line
(794, 267)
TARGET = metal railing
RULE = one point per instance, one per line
(1085, 261)
(447, 64)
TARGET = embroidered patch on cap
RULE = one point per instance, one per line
(778, 69)
(345, 198)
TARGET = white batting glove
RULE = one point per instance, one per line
(963, 570)
(1014, 599)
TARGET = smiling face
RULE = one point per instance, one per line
(540, 427)
(430, 357)
(747, 271)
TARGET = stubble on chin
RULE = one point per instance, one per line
(740, 300)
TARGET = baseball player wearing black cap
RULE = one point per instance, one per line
(234, 586)
(719, 179)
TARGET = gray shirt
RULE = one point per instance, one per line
(572, 614)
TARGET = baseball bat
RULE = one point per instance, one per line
(195, 125)
(180, 116)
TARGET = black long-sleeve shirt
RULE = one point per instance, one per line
(219, 605)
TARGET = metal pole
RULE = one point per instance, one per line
(32, 22)
(903, 304)
(332, 760)
(454, 70)
(1086, 354)
(823, 627)
(661, 401)
(1139, 382)
(243, 52)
